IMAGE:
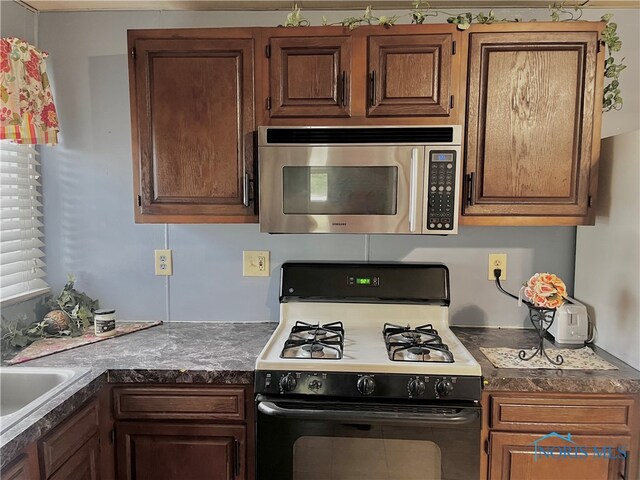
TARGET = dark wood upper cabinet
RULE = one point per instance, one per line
(409, 75)
(309, 76)
(533, 124)
(193, 122)
(370, 75)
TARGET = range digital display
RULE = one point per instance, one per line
(373, 281)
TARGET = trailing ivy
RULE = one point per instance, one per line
(612, 98)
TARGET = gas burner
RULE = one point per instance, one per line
(312, 350)
(427, 352)
(422, 334)
(315, 341)
(421, 344)
(418, 353)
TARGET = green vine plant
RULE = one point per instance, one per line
(612, 97)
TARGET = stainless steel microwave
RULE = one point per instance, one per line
(399, 179)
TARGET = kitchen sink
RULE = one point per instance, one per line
(24, 389)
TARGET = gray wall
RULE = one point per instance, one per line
(17, 21)
(89, 207)
(608, 255)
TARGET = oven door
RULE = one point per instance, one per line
(341, 189)
(309, 440)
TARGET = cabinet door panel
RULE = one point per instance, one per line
(409, 75)
(513, 457)
(194, 102)
(530, 120)
(18, 470)
(62, 443)
(82, 465)
(157, 451)
(309, 76)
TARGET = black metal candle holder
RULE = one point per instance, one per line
(542, 319)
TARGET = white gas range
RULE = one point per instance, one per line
(363, 378)
(366, 330)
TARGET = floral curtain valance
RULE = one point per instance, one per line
(27, 112)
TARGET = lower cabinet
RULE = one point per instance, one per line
(24, 467)
(71, 450)
(531, 436)
(168, 451)
(82, 465)
(176, 432)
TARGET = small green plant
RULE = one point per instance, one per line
(612, 96)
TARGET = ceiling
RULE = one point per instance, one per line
(82, 5)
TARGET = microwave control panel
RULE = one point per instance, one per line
(441, 191)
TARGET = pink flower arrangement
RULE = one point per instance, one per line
(545, 290)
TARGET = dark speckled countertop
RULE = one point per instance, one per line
(624, 380)
(170, 353)
(226, 353)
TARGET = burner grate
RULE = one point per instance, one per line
(315, 341)
(420, 344)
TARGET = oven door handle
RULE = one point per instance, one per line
(463, 417)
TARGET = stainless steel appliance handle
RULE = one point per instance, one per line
(413, 180)
(462, 416)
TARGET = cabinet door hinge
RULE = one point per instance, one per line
(133, 52)
(601, 45)
(451, 102)
(237, 459)
(139, 201)
(486, 446)
(453, 48)
(268, 103)
(590, 201)
(112, 436)
(267, 51)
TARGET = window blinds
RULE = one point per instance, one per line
(21, 256)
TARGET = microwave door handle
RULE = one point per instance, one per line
(413, 192)
(463, 417)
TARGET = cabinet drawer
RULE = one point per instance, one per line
(179, 403)
(557, 413)
(65, 440)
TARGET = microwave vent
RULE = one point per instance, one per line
(365, 135)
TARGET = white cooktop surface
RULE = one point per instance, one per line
(364, 346)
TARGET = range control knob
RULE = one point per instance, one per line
(288, 382)
(444, 387)
(366, 385)
(314, 385)
(417, 387)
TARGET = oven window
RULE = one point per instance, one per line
(340, 190)
(346, 458)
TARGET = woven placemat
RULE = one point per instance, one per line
(574, 359)
(49, 346)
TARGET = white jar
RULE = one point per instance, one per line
(104, 322)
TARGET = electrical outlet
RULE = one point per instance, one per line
(164, 262)
(497, 260)
(255, 263)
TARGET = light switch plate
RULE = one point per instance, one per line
(255, 263)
